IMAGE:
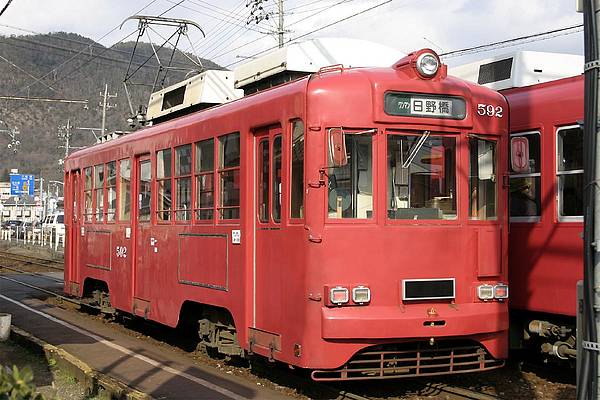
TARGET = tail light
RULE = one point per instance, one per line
(361, 295)
(485, 292)
(501, 291)
(339, 295)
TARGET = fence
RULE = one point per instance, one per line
(47, 236)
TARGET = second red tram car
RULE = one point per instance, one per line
(546, 213)
(353, 222)
(545, 96)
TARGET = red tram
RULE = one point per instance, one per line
(546, 192)
(352, 222)
(546, 213)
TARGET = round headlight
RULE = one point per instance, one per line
(427, 64)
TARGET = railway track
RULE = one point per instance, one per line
(288, 377)
(57, 265)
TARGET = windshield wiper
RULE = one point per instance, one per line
(415, 150)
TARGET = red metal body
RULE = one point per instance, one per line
(274, 282)
(545, 253)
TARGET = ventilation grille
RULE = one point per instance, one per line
(495, 71)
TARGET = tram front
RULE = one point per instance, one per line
(406, 222)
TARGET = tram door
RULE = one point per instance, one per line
(269, 271)
(143, 195)
(75, 234)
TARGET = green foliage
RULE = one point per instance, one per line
(17, 384)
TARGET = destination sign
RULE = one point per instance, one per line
(424, 105)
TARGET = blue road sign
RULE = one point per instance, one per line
(21, 184)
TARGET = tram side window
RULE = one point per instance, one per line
(124, 190)
(99, 190)
(163, 183)
(297, 170)
(570, 171)
(263, 180)
(229, 176)
(351, 186)
(421, 177)
(205, 190)
(111, 191)
(87, 194)
(276, 179)
(525, 186)
(482, 179)
(145, 191)
(183, 182)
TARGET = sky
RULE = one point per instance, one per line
(405, 25)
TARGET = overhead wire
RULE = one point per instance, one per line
(91, 46)
(304, 34)
(72, 72)
(502, 43)
(223, 35)
(55, 69)
(221, 30)
(319, 11)
(5, 7)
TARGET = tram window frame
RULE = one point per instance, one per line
(563, 174)
(277, 178)
(408, 194)
(88, 195)
(111, 188)
(297, 168)
(99, 190)
(229, 213)
(123, 196)
(493, 178)
(337, 216)
(263, 167)
(204, 178)
(164, 184)
(533, 179)
(183, 173)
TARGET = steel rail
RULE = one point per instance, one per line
(43, 262)
(67, 299)
(462, 392)
(340, 394)
(32, 273)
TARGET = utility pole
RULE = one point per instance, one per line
(588, 371)
(104, 104)
(280, 25)
(14, 141)
(259, 14)
(65, 133)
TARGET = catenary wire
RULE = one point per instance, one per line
(5, 7)
(305, 34)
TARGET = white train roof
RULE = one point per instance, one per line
(311, 55)
(518, 69)
(208, 88)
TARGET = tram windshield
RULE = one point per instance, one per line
(421, 176)
(351, 185)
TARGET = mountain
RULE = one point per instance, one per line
(69, 66)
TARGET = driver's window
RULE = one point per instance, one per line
(351, 185)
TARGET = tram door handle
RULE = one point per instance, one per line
(505, 181)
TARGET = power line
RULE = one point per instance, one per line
(25, 72)
(319, 10)
(304, 34)
(5, 7)
(55, 69)
(504, 43)
(93, 45)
